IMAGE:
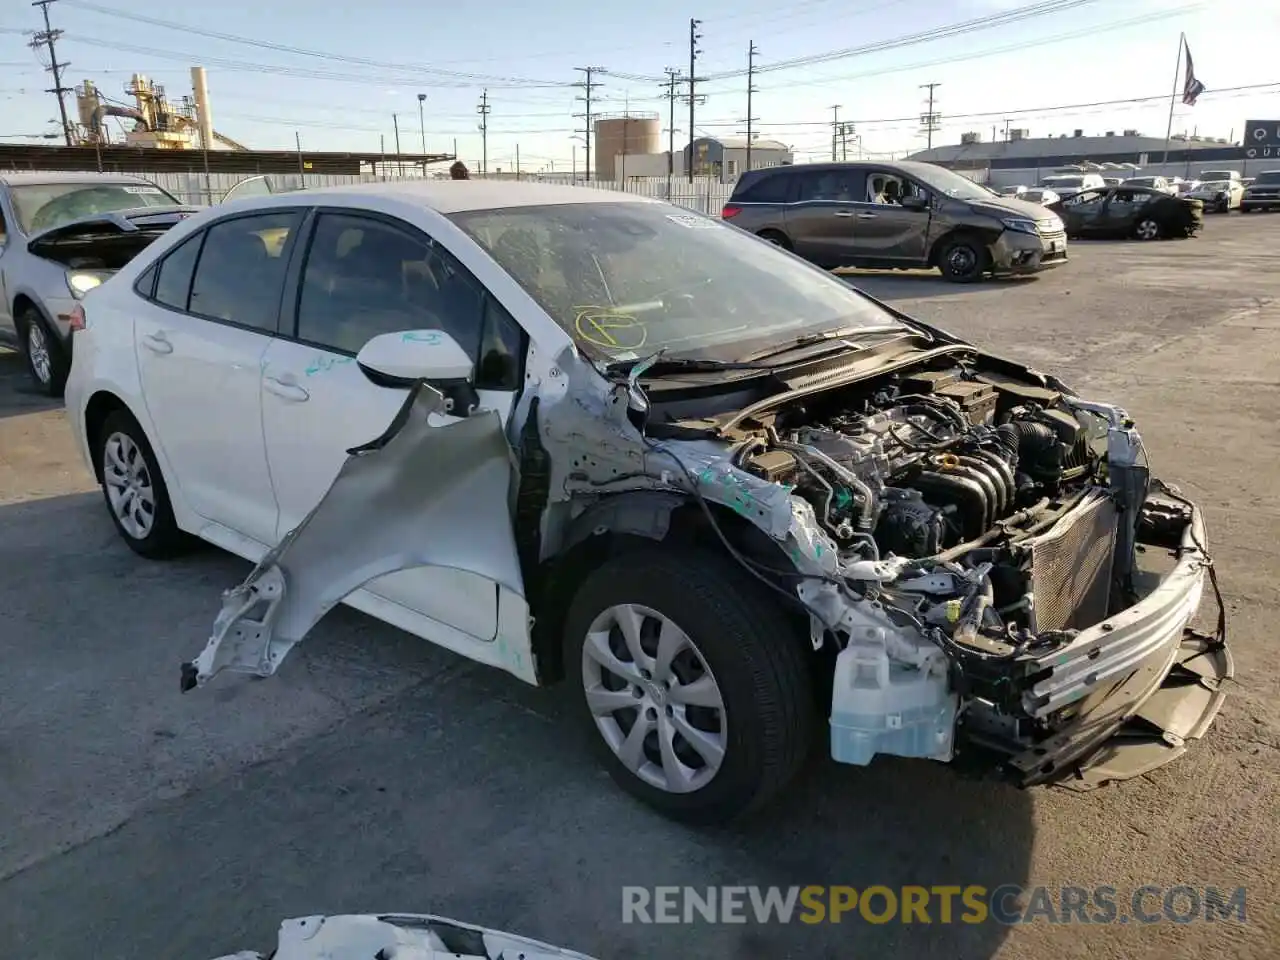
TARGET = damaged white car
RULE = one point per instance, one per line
(588, 436)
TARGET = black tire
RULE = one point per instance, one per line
(47, 362)
(776, 238)
(755, 658)
(1224, 206)
(963, 258)
(163, 538)
(1148, 228)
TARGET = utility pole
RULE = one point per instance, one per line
(835, 129)
(46, 38)
(672, 76)
(752, 53)
(845, 131)
(931, 122)
(395, 122)
(483, 110)
(517, 161)
(588, 87)
(422, 129)
(694, 37)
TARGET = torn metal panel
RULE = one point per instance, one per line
(402, 936)
(406, 500)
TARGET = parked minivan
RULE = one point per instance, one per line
(898, 215)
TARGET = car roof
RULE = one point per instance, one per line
(14, 179)
(451, 196)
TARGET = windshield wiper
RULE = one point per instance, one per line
(844, 336)
(684, 365)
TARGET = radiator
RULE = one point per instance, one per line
(1071, 566)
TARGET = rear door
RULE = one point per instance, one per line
(200, 340)
(365, 275)
(821, 216)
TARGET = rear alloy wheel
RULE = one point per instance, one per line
(1147, 229)
(135, 490)
(964, 259)
(696, 687)
(46, 361)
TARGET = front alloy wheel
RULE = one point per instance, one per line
(695, 685)
(38, 355)
(654, 699)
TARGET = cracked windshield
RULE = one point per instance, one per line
(628, 279)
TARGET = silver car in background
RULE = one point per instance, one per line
(61, 235)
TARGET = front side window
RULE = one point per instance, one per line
(240, 274)
(626, 279)
(365, 277)
(43, 206)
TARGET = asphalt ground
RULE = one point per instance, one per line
(377, 773)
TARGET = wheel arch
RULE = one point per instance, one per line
(99, 407)
(987, 235)
(625, 522)
(786, 244)
(23, 302)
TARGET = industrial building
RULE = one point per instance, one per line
(722, 159)
(1021, 158)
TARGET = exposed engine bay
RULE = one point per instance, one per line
(982, 524)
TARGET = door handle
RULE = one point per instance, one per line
(844, 213)
(156, 343)
(867, 216)
(289, 391)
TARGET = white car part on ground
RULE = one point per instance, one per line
(400, 936)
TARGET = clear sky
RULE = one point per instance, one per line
(383, 53)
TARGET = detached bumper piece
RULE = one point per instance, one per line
(1133, 690)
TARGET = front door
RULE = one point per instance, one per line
(363, 277)
(1083, 213)
(200, 341)
(885, 230)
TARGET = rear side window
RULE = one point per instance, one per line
(173, 285)
(770, 189)
(844, 186)
(240, 275)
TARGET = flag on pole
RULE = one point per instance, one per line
(1191, 87)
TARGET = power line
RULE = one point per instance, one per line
(297, 51)
(588, 86)
(47, 38)
(947, 31)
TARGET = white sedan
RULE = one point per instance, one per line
(583, 434)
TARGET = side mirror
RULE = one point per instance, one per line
(914, 202)
(416, 355)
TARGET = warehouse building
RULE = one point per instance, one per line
(1023, 159)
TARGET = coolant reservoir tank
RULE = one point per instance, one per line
(880, 706)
